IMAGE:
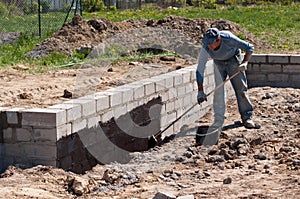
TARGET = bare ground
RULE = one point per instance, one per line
(256, 163)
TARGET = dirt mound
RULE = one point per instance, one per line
(83, 34)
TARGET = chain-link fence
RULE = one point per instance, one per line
(36, 17)
(43, 17)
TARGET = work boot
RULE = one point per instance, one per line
(249, 124)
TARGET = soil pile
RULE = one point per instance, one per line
(86, 34)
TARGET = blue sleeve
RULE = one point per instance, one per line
(202, 60)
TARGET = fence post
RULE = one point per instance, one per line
(39, 18)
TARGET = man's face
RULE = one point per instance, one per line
(215, 45)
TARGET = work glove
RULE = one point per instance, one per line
(243, 66)
(201, 97)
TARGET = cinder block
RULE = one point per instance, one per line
(253, 68)
(8, 135)
(45, 117)
(291, 68)
(186, 75)
(169, 80)
(256, 77)
(295, 59)
(189, 88)
(12, 115)
(23, 134)
(88, 106)
(172, 93)
(278, 58)
(180, 91)
(295, 78)
(93, 121)
(72, 108)
(106, 116)
(258, 58)
(102, 102)
(138, 90)
(170, 106)
(3, 109)
(78, 125)
(270, 68)
(149, 86)
(278, 77)
(119, 110)
(187, 100)
(159, 83)
(53, 134)
(14, 149)
(115, 97)
(40, 151)
(178, 78)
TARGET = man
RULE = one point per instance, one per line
(225, 50)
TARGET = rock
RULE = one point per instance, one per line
(162, 195)
(227, 180)
(260, 156)
(79, 185)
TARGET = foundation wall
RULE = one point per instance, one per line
(106, 126)
(276, 70)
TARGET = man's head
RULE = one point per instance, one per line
(211, 35)
(212, 38)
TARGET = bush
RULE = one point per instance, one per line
(30, 8)
(3, 10)
(93, 5)
(209, 4)
(14, 10)
(45, 6)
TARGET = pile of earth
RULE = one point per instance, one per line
(81, 34)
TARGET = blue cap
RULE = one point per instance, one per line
(210, 36)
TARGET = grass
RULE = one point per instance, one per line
(276, 25)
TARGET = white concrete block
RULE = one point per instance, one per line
(88, 106)
(45, 117)
(72, 108)
(102, 102)
(180, 90)
(93, 121)
(78, 125)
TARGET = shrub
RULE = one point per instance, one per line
(209, 4)
(92, 5)
(3, 10)
(45, 6)
(30, 7)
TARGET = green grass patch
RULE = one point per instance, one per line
(275, 25)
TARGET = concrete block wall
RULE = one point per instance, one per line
(66, 135)
(277, 70)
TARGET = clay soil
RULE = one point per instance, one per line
(246, 163)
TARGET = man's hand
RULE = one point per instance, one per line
(201, 97)
(243, 66)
